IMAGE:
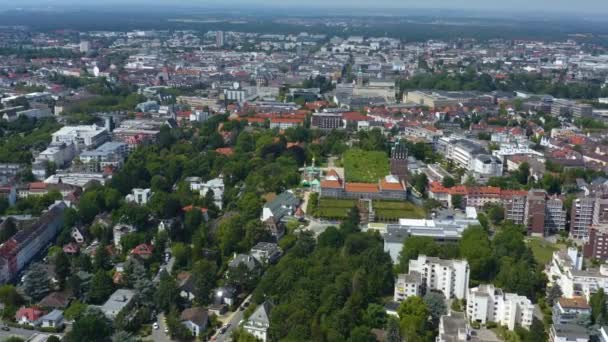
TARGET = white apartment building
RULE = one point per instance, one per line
(139, 196)
(408, 285)
(486, 303)
(87, 136)
(451, 277)
(59, 154)
(216, 185)
(566, 271)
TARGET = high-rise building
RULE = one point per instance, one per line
(451, 277)
(555, 215)
(399, 161)
(585, 212)
(85, 46)
(534, 218)
(219, 39)
(596, 246)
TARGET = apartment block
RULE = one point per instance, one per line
(408, 285)
(451, 277)
(486, 303)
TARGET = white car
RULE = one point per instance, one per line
(155, 326)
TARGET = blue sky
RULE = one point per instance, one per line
(579, 6)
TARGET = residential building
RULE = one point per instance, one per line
(148, 106)
(119, 231)
(566, 271)
(280, 207)
(139, 196)
(81, 136)
(215, 185)
(398, 165)
(109, 154)
(53, 319)
(58, 153)
(29, 316)
(259, 322)
(569, 310)
(454, 328)
(544, 215)
(326, 121)
(450, 277)
(586, 212)
(408, 285)
(266, 252)
(568, 333)
(596, 246)
(486, 303)
(21, 248)
(195, 320)
(118, 301)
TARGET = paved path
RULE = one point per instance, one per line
(17, 332)
(159, 334)
(233, 319)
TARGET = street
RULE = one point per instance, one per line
(234, 320)
(159, 334)
(17, 332)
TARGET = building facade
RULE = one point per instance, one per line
(486, 303)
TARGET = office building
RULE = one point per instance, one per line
(486, 303)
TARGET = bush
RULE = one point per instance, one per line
(491, 325)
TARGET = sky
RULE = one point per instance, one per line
(578, 6)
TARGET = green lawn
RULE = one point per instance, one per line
(385, 210)
(542, 250)
(390, 211)
(365, 166)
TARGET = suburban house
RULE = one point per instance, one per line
(53, 319)
(277, 210)
(119, 300)
(195, 319)
(259, 322)
(186, 285)
(266, 252)
(29, 316)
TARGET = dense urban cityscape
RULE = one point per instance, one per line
(234, 177)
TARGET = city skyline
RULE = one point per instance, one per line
(596, 7)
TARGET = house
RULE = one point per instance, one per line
(216, 186)
(119, 231)
(29, 316)
(186, 285)
(280, 207)
(55, 300)
(247, 260)
(143, 251)
(118, 301)
(139, 196)
(568, 333)
(453, 328)
(195, 319)
(71, 248)
(568, 310)
(225, 295)
(53, 319)
(77, 235)
(259, 322)
(266, 252)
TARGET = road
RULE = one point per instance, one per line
(234, 319)
(318, 226)
(168, 267)
(17, 332)
(159, 334)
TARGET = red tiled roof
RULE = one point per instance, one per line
(331, 184)
(227, 151)
(361, 187)
(143, 249)
(191, 207)
(391, 186)
(32, 314)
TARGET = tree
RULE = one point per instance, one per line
(101, 261)
(413, 315)
(37, 282)
(435, 302)
(10, 228)
(91, 326)
(123, 336)
(331, 237)
(496, 213)
(204, 273)
(62, 267)
(553, 294)
(177, 330)
(75, 310)
(375, 316)
(457, 201)
(101, 287)
(167, 294)
(448, 182)
(523, 173)
(414, 246)
(476, 248)
(598, 307)
(392, 330)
